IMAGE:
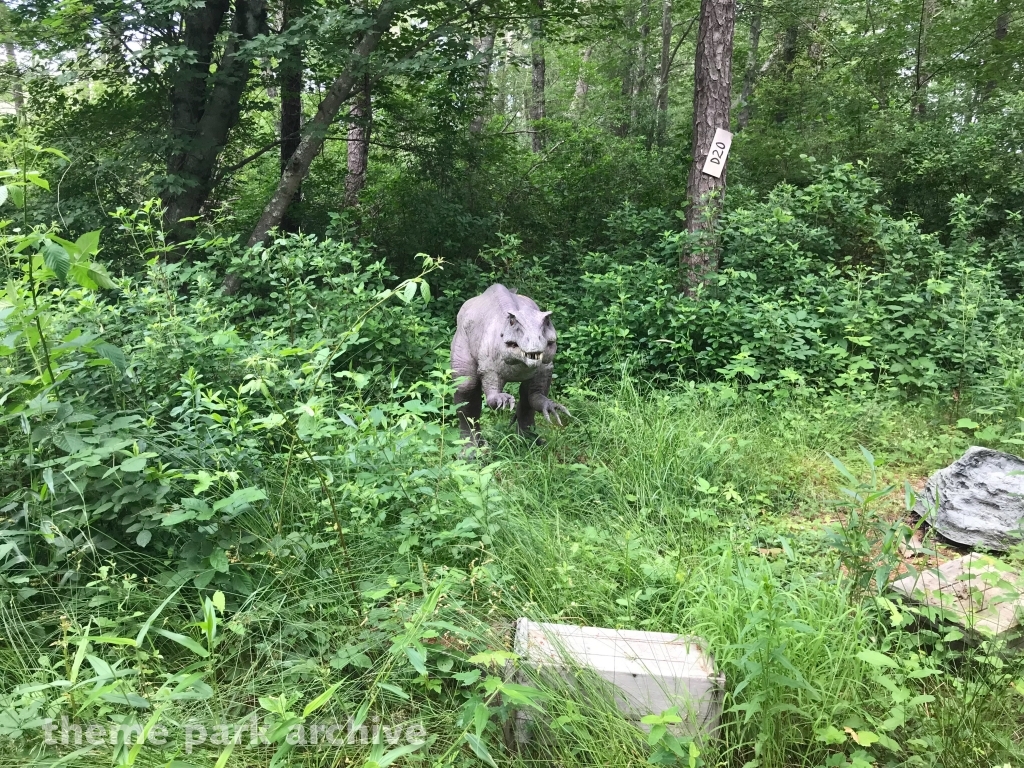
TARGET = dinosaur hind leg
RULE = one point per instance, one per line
(525, 418)
(468, 403)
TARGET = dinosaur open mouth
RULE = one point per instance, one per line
(532, 355)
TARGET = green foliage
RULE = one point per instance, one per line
(820, 288)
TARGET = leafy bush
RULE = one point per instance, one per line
(820, 288)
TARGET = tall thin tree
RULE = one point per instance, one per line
(664, 71)
(313, 138)
(205, 105)
(361, 115)
(538, 107)
(712, 100)
(485, 50)
(929, 9)
(579, 96)
(290, 74)
(750, 74)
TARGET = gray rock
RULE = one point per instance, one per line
(978, 500)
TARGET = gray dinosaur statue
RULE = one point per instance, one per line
(500, 337)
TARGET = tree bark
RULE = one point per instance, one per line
(641, 78)
(313, 139)
(664, 71)
(579, 96)
(361, 115)
(290, 73)
(712, 96)
(201, 117)
(788, 59)
(921, 76)
(485, 48)
(539, 64)
(750, 75)
(17, 95)
(998, 44)
(816, 49)
(17, 92)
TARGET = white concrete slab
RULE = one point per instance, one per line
(647, 672)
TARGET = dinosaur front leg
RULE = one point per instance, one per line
(539, 400)
(496, 398)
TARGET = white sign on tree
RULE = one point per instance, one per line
(715, 163)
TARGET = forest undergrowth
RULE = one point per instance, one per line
(236, 519)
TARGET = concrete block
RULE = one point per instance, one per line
(978, 593)
(646, 672)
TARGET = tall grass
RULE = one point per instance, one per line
(670, 512)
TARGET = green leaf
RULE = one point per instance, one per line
(57, 259)
(89, 243)
(107, 639)
(391, 755)
(224, 755)
(876, 659)
(467, 678)
(409, 293)
(480, 749)
(239, 500)
(83, 649)
(219, 561)
(395, 690)
(33, 177)
(112, 353)
(967, 424)
(3, 194)
(320, 700)
(417, 658)
(425, 292)
(144, 537)
(17, 195)
(218, 600)
(91, 276)
(134, 464)
(131, 699)
(481, 715)
(71, 757)
(153, 616)
(830, 735)
(187, 642)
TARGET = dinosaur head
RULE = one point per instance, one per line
(529, 337)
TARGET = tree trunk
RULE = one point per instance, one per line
(313, 139)
(921, 76)
(664, 71)
(750, 74)
(537, 105)
(201, 122)
(504, 92)
(788, 59)
(641, 78)
(579, 96)
(358, 144)
(485, 48)
(627, 89)
(290, 73)
(998, 44)
(17, 95)
(712, 96)
(816, 49)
